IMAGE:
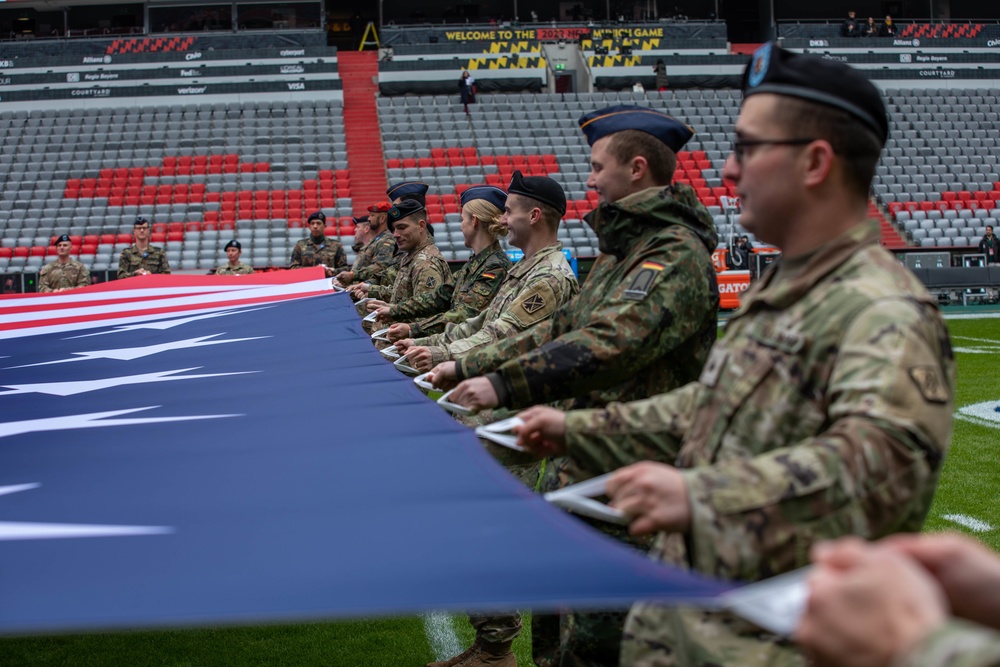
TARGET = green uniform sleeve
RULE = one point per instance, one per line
(605, 439)
(615, 339)
(43, 279)
(163, 264)
(422, 305)
(296, 262)
(870, 472)
(384, 256)
(125, 268)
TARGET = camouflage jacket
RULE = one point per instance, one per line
(375, 258)
(534, 288)
(824, 411)
(228, 269)
(422, 270)
(132, 259)
(955, 644)
(329, 252)
(476, 283)
(642, 323)
(63, 276)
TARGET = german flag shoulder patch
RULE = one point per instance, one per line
(643, 279)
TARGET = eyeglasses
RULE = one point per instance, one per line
(740, 146)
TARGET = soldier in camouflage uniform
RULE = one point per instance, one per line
(826, 408)
(234, 267)
(64, 273)
(642, 323)
(422, 267)
(140, 258)
(379, 255)
(535, 286)
(318, 249)
(889, 603)
(476, 283)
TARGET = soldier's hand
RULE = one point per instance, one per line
(358, 291)
(868, 605)
(419, 357)
(345, 278)
(653, 496)
(330, 272)
(544, 431)
(967, 571)
(476, 393)
(382, 314)
(444, 376)
(398, 332)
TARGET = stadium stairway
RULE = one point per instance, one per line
(891, 238)
(359, 73)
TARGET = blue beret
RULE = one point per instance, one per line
(539, 188)
(234, 244)
(403, 209)
(139, 220)
(815, 79)
(406, 188)
(493, 195)
(64, 239)
(599, 124)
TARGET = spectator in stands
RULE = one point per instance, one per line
(990, 246)
(234, 267)
(467, 90)
(9, 287)
(738, 257)
(888, 28)
(871, 28)
(140, 258)
(900, 602)
(319, 249)
(851, 27)
(660, 70)
(64, 273)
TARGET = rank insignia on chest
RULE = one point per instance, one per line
(638, 289)
(533, 304)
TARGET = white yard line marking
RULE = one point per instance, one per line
(971, 316)
(441, 635)
(975, 525)
(994, 341)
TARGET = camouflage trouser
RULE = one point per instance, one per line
(574, 639)
(497, 628)
(657, 636)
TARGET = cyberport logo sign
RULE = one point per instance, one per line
(986, 413)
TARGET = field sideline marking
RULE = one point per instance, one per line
(441, 635)
(971, 316)
(975, 525)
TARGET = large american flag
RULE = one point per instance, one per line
(183, 450)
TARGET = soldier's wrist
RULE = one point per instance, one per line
(500, 387)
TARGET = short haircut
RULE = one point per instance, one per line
(662, 161)
(489, 214)
(550, 215)
(852, 140)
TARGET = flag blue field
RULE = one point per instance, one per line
(183, 451)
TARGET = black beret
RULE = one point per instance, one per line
(407, 188)
(234, 244)
(403, 209)
(539, 188)
(139, 220)
(599, 124)
(775, 70)
(318, 215)
(64, 238)
(363, 220)
(493, 195)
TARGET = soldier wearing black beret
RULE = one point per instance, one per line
(64, 273)
(318, 249)
(824, 412)
(234, 267)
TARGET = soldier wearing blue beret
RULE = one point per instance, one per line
(642, 323)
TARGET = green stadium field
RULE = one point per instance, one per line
(965, 501)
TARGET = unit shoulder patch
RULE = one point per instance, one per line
(642, 280)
